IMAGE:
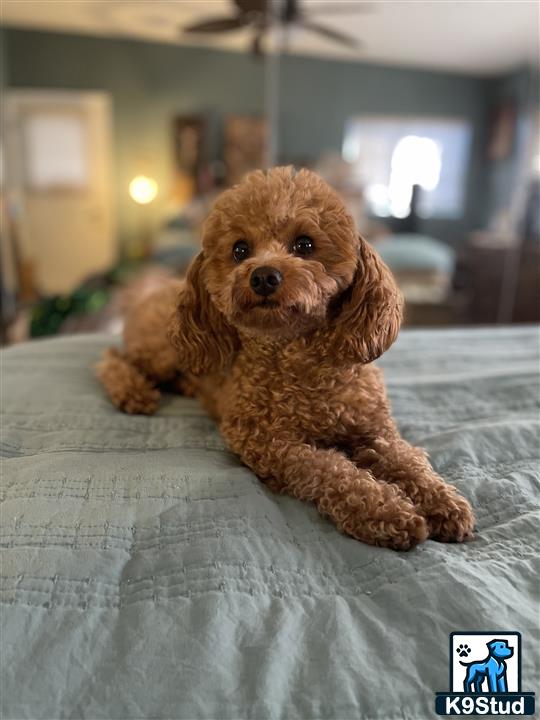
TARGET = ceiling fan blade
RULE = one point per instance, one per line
(216, 25)
(330, 33)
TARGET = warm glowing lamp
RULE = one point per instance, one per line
(143, 189)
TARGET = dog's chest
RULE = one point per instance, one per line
(313, 397)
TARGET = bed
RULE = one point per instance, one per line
(147, 574)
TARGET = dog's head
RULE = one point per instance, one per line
(500, 649)
(282, 258)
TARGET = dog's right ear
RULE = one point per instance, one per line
(372, 311)
(367, 316)
(198, 331)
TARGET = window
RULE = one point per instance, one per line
(390, 155)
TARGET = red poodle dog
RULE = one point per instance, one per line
(275, 330)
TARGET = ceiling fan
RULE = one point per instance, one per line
(261, 15)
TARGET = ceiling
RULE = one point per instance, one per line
(471, 36)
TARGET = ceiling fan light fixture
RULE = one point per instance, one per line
(262, 15)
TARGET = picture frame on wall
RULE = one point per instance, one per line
(245, 138)
(503, 129)
(189, 149)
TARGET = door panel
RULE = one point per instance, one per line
(58, 174)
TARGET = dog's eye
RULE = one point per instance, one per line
(303, 245)
(240, 251)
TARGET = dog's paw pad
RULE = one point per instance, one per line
(463, 650)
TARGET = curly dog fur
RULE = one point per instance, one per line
(289, 377)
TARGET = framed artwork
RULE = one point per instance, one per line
(189, 155)
(503, 129)
(244, 146)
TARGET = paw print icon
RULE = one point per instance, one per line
(463, 650)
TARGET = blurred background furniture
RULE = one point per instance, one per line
(121, 127)
(495, 294)
(425, 270)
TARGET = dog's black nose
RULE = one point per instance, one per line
(265, 280)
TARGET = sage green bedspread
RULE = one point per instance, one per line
(147, 574)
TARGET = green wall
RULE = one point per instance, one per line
(149, 83)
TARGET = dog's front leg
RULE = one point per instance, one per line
(393, 460)
(468, 682)
(373, 512)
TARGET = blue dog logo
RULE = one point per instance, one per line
(493, 669)
(485, 676)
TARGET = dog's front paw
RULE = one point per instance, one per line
(405, 533)
(452, 519)
(142, 401)
(400, 528)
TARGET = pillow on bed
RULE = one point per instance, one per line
(416, 253)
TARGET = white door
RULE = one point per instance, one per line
(58, 162)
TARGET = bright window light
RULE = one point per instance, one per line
(415, 161)
(390, 155)
(377, 197)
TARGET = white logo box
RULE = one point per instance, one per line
(477, 644)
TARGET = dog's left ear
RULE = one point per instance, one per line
(199, 332)
(369, 314)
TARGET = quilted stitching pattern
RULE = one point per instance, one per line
(146, 573)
